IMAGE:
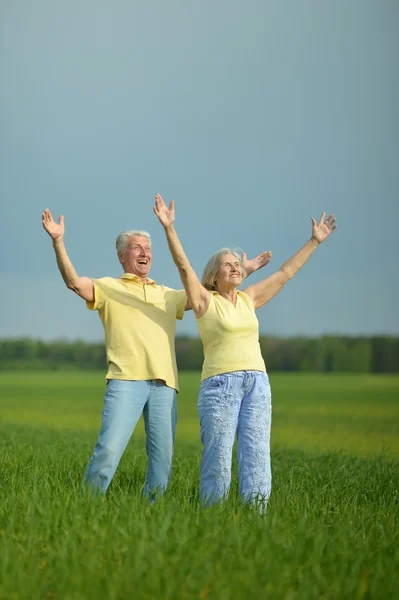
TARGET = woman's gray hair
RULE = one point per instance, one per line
(123, 238)
(213, 265)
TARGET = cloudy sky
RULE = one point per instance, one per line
(254, 116)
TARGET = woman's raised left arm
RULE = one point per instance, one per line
(265, 290)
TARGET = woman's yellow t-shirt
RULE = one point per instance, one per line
(230, 336)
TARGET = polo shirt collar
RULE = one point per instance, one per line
(132, 277)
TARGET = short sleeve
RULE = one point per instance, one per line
(99, 295)
(181, 301)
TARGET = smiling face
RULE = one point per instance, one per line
(137, 257)
(230, 272)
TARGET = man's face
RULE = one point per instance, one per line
(137, 257)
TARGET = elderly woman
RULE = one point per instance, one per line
(234, 396)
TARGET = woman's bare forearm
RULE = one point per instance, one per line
(265, 290)
(176, 249)
(198, 296)
(299, 259)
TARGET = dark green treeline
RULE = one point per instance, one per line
(377, 354)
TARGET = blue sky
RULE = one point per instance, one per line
(254, 116)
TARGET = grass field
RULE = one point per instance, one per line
(331, 529)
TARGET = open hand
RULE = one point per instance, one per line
(55, 230)
(253, 264)
(322, 229)
(165, 214)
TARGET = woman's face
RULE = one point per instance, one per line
(230, 272)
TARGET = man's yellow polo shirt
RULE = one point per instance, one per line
(140, 323)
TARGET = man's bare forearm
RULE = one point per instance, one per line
(83, 286)
(67, 270)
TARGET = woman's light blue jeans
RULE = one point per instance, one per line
(123, 404)
(237, 402)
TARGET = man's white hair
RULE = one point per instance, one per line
(123, 238)
(213, 265)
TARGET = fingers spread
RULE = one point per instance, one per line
(265, 257)
(159, 200)
(46, 217)
(331, 222)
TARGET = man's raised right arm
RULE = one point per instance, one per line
(82, 286)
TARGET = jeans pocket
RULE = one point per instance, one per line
(212, 390)
(213, 383)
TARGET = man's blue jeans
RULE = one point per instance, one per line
(123, 404)
(237, 402)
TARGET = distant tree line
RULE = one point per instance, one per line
(376, 354)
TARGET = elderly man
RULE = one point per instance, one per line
(139, 319)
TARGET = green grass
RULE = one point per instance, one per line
(331, 529)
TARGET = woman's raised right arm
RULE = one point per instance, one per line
(82, 286)
(197, 295)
